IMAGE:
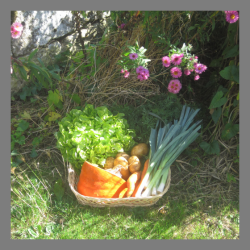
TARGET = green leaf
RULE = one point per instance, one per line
(191, 28)
(218, 100)
(229, 131)
(230, 73)
(58, 189)
(32, 54)
(53, 116)
(26, 115)
(212, 148)
(23, 125)
(216, 115)
(232, 52)
(36, 141)
(53, 97)
(230, 178)
(213, 24)
(22, 72)
(238, 96)
(76, 98)
(33, 153)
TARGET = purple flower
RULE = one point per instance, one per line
(195, 64)
(139, 69)
(174, 86)
(140, 77)
(181, 55)
(145, 72)
(133, 56)
(123, 25)
(199, 68)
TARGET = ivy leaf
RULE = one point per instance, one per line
(58, 189)
(76, 98)
(217, 101)
(23, 125)
(53, 116)
(216, 115)
(26, 115)
(230, 73)
(212, 148)
(229, 131)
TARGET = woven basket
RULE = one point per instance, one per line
(113, 202)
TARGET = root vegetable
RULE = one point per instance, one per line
(123, 170)
(131, 182)
(109, 163)
(134, 164)
(140, 150)
(126, 156)
(120, 161)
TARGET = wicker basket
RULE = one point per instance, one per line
(113, 202)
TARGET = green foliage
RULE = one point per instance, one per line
(231, 73)
(93, 135)
(229, 131)
(210, 148)
(54, 99)
(165, 106)
(218, 100)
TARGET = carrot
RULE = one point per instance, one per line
(131, 182)
(142, 176)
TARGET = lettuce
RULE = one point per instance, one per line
(93, 135)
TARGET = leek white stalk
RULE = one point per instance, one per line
(166, 144)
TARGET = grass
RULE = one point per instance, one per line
(37, 214)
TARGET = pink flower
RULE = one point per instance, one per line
(139, 69)
(187, 72)
(126, 74)
(195, 64)
(17, 26)
(144, 72)
(133, 56)
(181, 55)
(174, 86)
(140, 77)
(123, 25)
(166, 61)
(199, 68)
(176, 72)
(191, 59)
(204, 67)
(196, 57)
(15, 34)
(232, 16)
(176, 59)
(196, 77)
(122, 71)
(145, 77)
(11, 70)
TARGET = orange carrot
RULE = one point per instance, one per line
(142, 176)
(131, 182)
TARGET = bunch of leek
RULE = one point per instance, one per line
(166, 144)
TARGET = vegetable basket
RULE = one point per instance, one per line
(112, 202)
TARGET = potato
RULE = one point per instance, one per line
(123, 170)
(139, 150)
(120, 161)
(134, 164)
(109, 163)
(126, 156)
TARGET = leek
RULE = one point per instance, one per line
(166, 144)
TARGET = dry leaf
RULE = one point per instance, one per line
(211, 111)
(12, 170)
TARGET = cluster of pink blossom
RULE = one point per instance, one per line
(133, 56)
(142, 73)
(232, 16)
(176, 72)
(125, 72)
(174, 86)
(16, 30)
